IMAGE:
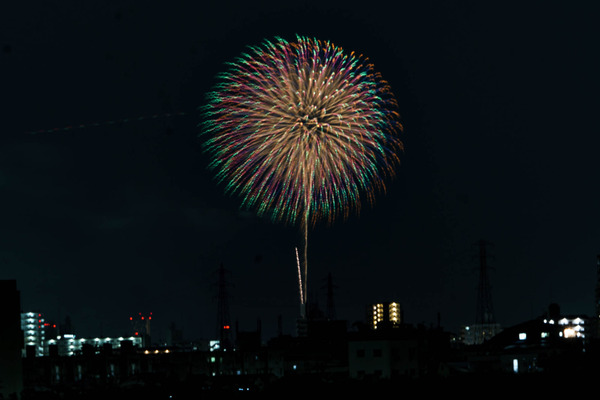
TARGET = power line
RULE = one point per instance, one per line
(108, 123)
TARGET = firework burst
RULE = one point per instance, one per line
(302, 130)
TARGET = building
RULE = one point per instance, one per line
(70, 345)
(536, 345)
(33, 326)
(384, 314)
(11, 340)
(406, 352)
(383, 357)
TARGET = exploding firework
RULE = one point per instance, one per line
(302, 131)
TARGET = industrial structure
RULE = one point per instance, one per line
(485, 326)
(141, 327)
(330, 313)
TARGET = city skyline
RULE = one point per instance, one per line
(108, 208)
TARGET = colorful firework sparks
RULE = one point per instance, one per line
(301, 130)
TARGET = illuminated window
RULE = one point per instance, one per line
(569, 333)
(385, 312)
(522, 336)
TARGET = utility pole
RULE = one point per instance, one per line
(485, 309)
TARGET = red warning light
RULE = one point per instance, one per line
(226, 327)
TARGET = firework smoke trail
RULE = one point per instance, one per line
(302, 131)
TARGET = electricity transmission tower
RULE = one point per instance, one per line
(485, 320)
(330, 312)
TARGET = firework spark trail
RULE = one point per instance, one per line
(302, 131)
(299, 277)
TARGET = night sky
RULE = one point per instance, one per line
(499, 106)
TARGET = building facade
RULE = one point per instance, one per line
(33, 326)
(70, 345)
(383, 358)
(384, 314)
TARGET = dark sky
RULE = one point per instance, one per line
(499, 105)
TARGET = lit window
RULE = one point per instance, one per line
(570, 333)
(522, 336)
